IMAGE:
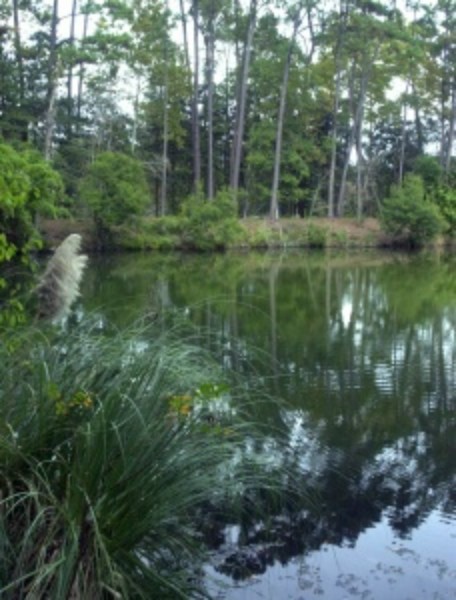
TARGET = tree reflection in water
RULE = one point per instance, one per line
(362, 350)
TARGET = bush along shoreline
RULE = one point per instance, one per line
(110, 445)
(174, 234)
(408, 219)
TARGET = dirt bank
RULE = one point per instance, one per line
(259, 232)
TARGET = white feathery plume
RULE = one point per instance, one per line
(59, 284)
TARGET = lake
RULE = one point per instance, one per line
(361, 348)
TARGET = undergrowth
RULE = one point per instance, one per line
(109, 444)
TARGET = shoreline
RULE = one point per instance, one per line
(257, 233)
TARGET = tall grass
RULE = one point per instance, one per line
(108, 446)
(59, 285)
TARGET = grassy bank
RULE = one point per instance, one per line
(172, 233)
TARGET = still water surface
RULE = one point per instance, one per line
(362, 349)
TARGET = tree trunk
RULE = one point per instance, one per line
(185, 34)
(242, 100)
(332, 168)
(18, 51)
(403, 138)
(210, 48)
(195, 120)
(51, 83)
(274, 205)
(164, 178)
(357, 126)
(85, 29)
(359, 174)
(418, 123)
(134, 131)
(49, 126)
(452, 125)
(338, 67)
(70, 69)
(164, 182)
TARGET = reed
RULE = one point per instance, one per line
(59, 285)
(111, 445)
(106, 454)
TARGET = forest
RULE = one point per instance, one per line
(293, 108)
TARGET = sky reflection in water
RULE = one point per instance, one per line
(363, 350)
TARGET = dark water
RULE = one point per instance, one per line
(362, 348)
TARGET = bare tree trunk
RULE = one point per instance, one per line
(237, 51)
(332, 168)
(164, 178)
(359, 174)
(242, 101)
(357, 125)
(195, 120)
(210, 48)
(134, 132)
(274, 205)
(85, 29)
(403, 136)
(442, 126)
(18, 51)
(164, 182)
(185, 34)
(50, 122)
(418, 124)
(70, 69)
(226, 147)
(452, 125)
(51, 83)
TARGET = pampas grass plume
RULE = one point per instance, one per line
(59, 284)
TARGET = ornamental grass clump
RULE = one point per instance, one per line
(108, 446)
(112, 447)
(58, 287)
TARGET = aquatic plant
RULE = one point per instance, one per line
(108, 446)
(112, 446)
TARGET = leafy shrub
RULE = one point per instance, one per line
(429, 169)
(168, 225)
(261, 237)
(317, 236)
(445, 199)
(408, 215)
(115, 188)
(158, 233)
(340, 238)
(28, 187)
(210, 224)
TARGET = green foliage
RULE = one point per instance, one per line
(210, 225)
(407, 215)
(445, 198)
(72, 161)
(340, 238)
(28, 187)
(115, 188)
(429, 169)
(317, 236)
(46, 186)
(106, 453)
(151, 233)
(6, 250)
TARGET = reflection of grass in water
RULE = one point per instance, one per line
(106, 450)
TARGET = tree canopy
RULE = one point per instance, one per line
(301, 107)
